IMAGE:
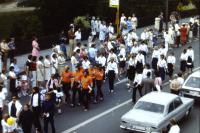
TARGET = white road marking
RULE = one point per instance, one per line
(121, 81)
(72, 129)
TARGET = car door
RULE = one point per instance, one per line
(179, 109)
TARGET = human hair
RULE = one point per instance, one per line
(30, 57)
(11, 68)
(34, 58)
(36, 89)
(173, 121)
(157, 74)
(148, 74)
(41, 58)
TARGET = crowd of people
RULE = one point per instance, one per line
(52, 80)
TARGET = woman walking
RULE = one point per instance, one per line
(35, 46)
(183, 61)
(111, 70)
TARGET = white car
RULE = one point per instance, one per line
(191, 86)
(152, 112)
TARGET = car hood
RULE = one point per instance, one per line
(141, 117)
(184, 87)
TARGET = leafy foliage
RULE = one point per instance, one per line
(82, 22)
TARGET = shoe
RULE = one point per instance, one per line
(59, 111)
(101, 99)
(111, 91)
(72, 105)
(85, 110)
(95, 102)
(78, 104)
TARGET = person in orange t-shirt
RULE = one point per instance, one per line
(86, 82)
(76, 87)
(99, 76)
(66, 77)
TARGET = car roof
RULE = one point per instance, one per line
(195, 74)
(162, 98)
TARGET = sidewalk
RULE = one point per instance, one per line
(22, 58)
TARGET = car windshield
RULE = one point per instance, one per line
(193, 82)
(152, 107)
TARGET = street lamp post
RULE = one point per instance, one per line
(115, 4)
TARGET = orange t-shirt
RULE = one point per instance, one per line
(99, 74)
(92, 72)
(86, 81)
(77, 76)
(66, 76)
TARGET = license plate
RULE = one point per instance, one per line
(194, 93)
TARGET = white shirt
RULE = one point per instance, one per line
(47, 63)
(78, 35)
(140, 58)
(162, 63)
(143, 36)
(101, 60)
(184, 56)
(12, 74)
(6, 128)
(74, 60)
(112, 66)
(112, 55)
(122, 52)
(181, 80)
(143, 47)
(35, 100)
(17, 105)
(86, 64)
(174, 129)
(132, 62)
(156, 54)
(134, 50)
(171, 59)
(76, 48)
(92, 52)
(190, 53)
(2, 98)
(138, 79)
(145, 71)
(163, 51)
(110, 46)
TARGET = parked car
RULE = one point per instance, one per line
(152, 112)
(191, 86)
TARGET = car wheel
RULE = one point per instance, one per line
(187, 113)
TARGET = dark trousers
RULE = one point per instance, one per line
(174, 92)
(162, 73)
(46, 123)
(85, 98)
(99, 91)
(139, 88)
(36, 117)
(111, 79)
(75, 90)
(66, 89)
(1, 113)
(11, 54)
(26, 128)
(92, 94)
